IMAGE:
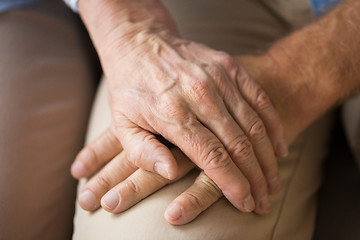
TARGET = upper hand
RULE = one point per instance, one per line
(202, 101)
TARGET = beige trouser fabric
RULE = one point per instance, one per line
(351, 121)
(236, 26)
(46, 90)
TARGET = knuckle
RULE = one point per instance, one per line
(171, 107)
(173, 111)
(148, 138)
(263, 103)
(262, 100)
(189, 123)
(226, 60)
(235, 143)
(243, 79)
(204, 97)
(200, 90)
(215, 72)
(103, 181)
(193, 200)
(136, 153)
(135, 158)
(129, 164)
(259, 183)
(257, 130)
(210, 186)
(160, 180)
(244, 151)
(133, 185)
(217, 157)
(191, 139)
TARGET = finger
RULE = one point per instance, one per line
(140, 185)
(96, 154)
(114, 172)
(196, 199)
(259, 100)
(264, 153)
(242, 149)
(252, 93)
(145, 150)
(227, 130)
(207, 152)
(249, 121)
(255, 131)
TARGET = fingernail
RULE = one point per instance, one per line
(174, 212)
(78, 169)
(162, 169)
(274, 185)
(249, 204)
(87, 200)
(265, 204)
(111, 200)
(282, 149)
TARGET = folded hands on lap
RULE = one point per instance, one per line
(199, 99)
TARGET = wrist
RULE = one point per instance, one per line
(124, 19)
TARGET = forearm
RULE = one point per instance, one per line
(312, 69)
(111, 21)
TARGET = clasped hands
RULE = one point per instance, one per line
(203, 102)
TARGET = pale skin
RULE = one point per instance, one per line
(199, 99)
(304, 75)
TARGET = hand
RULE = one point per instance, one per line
(190, 94)
(131, 184)
(120, 185)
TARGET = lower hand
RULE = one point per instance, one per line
(120, 184)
